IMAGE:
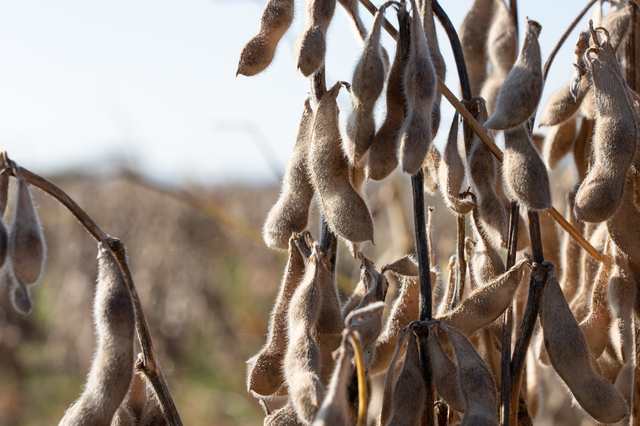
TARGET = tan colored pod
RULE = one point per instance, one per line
(582, 147)
(483, 260)
(420, 91)
(285, 416)
(258, 53)
(291, 212)
(344, 209)
(487, 303)
(445, 373)
(302, 360)
(524, 174)
(570, 357)
(618, 25)
(313, 45)
(112, 367)
(570, 254)
(430, 168)
(27, 247)
(367, 321)
(372, 287)
(520, 93)
(476, 382)
(490, 90)
(264, 374)
(383, 158)
(560, 107)
(473, 32)
(451, 173)
(624, 226)
(502, 42)
(391, 377)
(615, 134)
(559, 142)
(20, 295)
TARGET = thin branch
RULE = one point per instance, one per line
(147, 362)
(461, 262)
(513, 8)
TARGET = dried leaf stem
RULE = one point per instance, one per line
(363, 397)
(147, 363)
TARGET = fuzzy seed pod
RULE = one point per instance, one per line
(615, 134)
(570, 357)
(473, 37)
(451, 173)
(344, 209)
(476, 382)
(383, 157)
(582, 147)
(519, 95)
(420, 91)
(624, 226)
(430, 168)
(559, 142)
(409, 387)
(559, 108)
(490, 90)
(445, 373)
(290, 213)
(525, 175)
(502, 39)
(27, 247)
(595, 326)
(264, 375)
(372, 287)
(391, 377)
(285, 416)
(487, 303)
(367, 321)
(485, 263)
(313, 44)
(112, 366)
(257, 54)
(618, 25)
(19, 294)
(570, 255)
(366, 85)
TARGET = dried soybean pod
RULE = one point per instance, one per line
(302, 361)
(483, 260)
(445, 373)
(615, 134)
(570, 254)
(582, 147)
(570, 357)
(20, 295)
(257, 54)
(383, 158)
(451, 173)
(502, 40)
(27, 247)
(391, 377)
(264, 375)
(409, 387)
(366, 85)
(559, 142)
(473, 37)
(430, 168)
(345, 211)
(290, 213)
(596, 325)
(367, 321)
(285, 416)
(490, 90)
(335, 409)
(560, 107)
(112, 367)
(520, 93)
(618, 25)
(476, 382)
(420, 91)
(525, 175)
(624, 225)
(313, 45)
(485, 304)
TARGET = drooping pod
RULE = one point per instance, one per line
(27, 247)
(20, 295)
(344, 209)
(352, 9)
(366, 86)
(367, 321)
(302, 361)
(264, 374)
(291, 212)
(484, 262)
(473, 38)
(313, 44)
(520, 93)
(570, 255)
(485, 304)
(409, 387)
(490, 89)
(258, 53)
(624, 226)
(445, 373)
(615, 134)
(383, 157)
(476, 382)
(112, 366)
(430, 167)
(285, 416)
(570, 357)
(451, 173)
(371, 288)
(502, 40)
(559, 142)
(582, 147)
(618, 25)
(580, 83)
(391, 377)
(560, 107)
(524, 174)
(420, 91)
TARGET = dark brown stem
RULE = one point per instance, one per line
(147, 362)
(461, 262)
(387, 25)
(507, 320)
(513, 8)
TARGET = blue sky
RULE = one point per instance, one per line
(153, 83)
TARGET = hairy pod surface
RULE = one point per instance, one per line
(391, 378)
(264, 373)
(313, 45)
(570, 254)
(582, 147)
(484, 261)
(451, 173)
(420, 91)
(291, 212)
(560, 107)
(525, 176)
(258, 53)
(372, 287)
(335, 409)
(285, 416)
(520, 93)
(624, 225)
(473, 33)
(596, 325)
(490, 90)
(20, 295)
(383, 157)
(430, 168)
(445, 374)
(502, 39)
(27, 247)
(618, 25)
(559, 142)
(367, 321)
(426, 11)
(345, 211)
(112, 367)
(570, 357)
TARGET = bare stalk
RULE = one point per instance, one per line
(461, 262)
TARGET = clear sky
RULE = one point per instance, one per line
(153, 82)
